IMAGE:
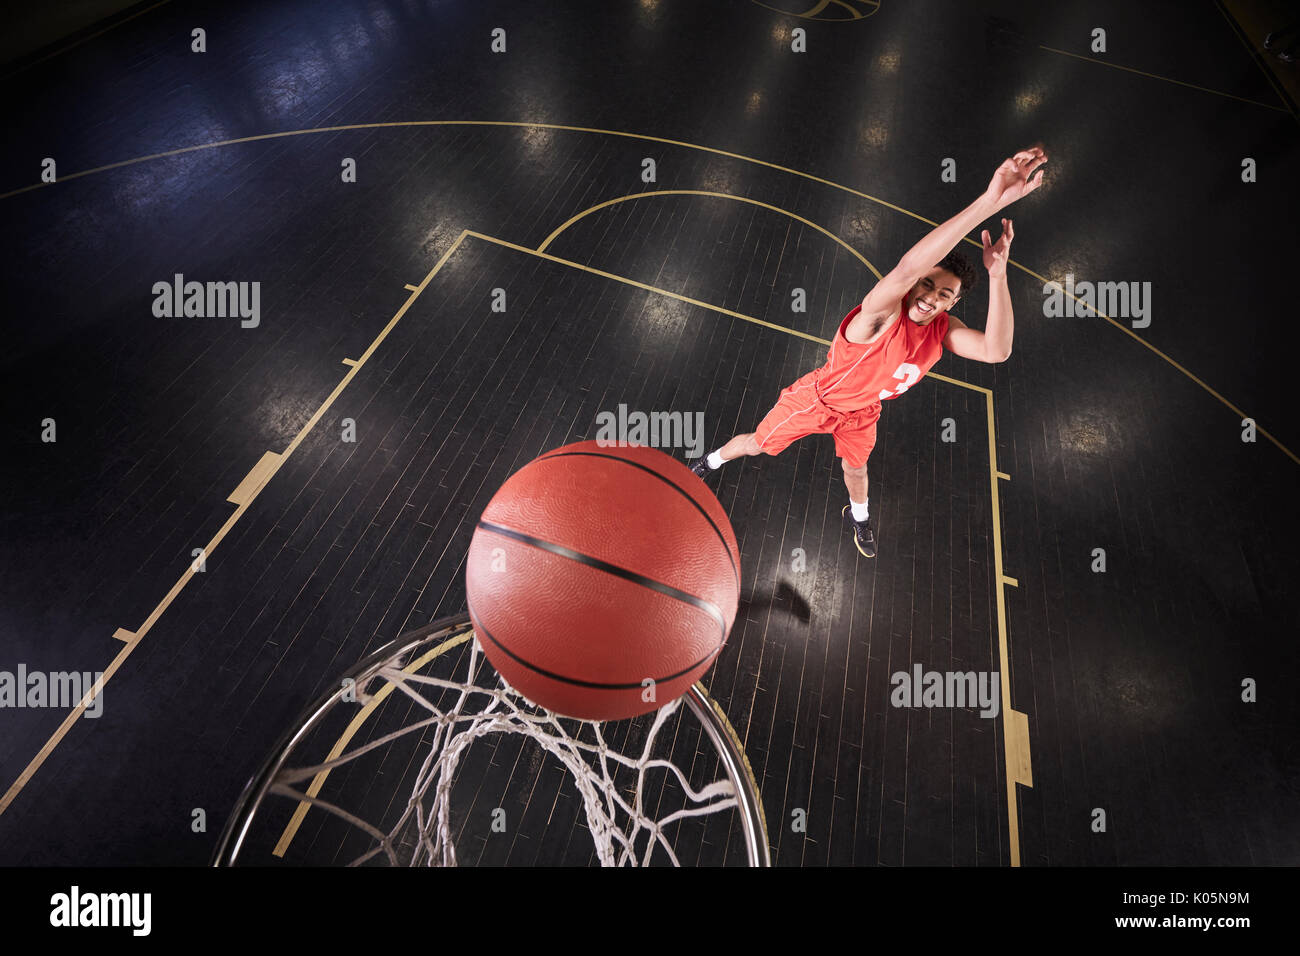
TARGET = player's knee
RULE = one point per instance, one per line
(858, 472)
(752, 447)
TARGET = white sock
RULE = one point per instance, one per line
(714, 460)
(859, 510)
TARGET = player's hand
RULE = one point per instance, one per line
(1015, 177)
(997, 253)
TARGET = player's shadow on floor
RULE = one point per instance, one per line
(784, 598)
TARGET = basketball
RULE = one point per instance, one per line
(602, 581)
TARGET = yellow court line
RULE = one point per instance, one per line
(243, 497)
(131, 642)
(648, 288)
(1129, 69)
(1017, 736)
(370, 350)
(1004, 475)
(256, 479)
(957, 381)
(637, 136)
(1137, 338)
(508, 124)
(716, 195)
(1015, 724)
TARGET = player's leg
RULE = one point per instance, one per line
(855, 479)
(739, 446)
(796, 413)
(855, 437)
(855, 512)
(744, 444)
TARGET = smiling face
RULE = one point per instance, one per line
(936, 291)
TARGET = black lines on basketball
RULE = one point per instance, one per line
(594, 685)
(596, 591)
(672, 484)
(708, 607)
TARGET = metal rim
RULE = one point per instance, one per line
(705, 709)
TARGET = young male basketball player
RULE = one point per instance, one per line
(884, 346)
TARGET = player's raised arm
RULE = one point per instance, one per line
(1012, 180)
(994, 343)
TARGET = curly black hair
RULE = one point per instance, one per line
(963, 269)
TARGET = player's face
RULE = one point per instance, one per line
(934, 293)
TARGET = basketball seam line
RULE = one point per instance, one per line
(478, 624)
(671, 484)
(708, 607)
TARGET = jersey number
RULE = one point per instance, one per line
(909, 373)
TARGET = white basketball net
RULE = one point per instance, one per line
(624, 832)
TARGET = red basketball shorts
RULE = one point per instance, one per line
(799, 412)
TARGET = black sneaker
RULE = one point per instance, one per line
(700, 466)
(862, 536)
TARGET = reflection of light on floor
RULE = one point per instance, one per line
(438, 239)
(718, 178)
(1029, 100)
(875, 136)
(384, 22)
(1057, 271)
(663, 321)
(349, 44)
(537, 138)
(888, 62)
(1085, 435)
(301, 72)
(860, 228)
(755, 101)
(1141, 695)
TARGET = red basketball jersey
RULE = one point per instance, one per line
(856, 376)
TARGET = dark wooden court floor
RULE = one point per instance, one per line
(1130, 680)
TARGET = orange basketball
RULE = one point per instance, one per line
(595, 569)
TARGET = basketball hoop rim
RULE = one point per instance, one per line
(706, 711)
